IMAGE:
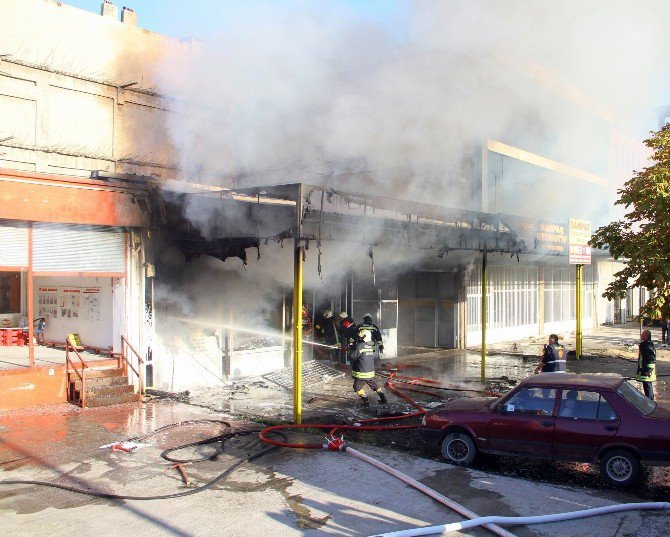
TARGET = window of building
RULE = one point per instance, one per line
(511, 294)
(10, 292)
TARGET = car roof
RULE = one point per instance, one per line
(572, 380)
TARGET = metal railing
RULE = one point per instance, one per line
(125, 346)
(82, 375)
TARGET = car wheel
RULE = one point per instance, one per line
(620, 467)
(458, 449)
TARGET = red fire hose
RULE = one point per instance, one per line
(334, 443)
(333, 428)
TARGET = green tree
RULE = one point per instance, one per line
(642, 237)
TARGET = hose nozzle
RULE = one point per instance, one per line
(334, 443)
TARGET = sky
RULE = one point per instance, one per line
(200, 18)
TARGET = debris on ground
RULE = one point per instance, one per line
(126, 446)
(313, 374)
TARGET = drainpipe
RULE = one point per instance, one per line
(297, 311)
(578, 315)
(484, 317)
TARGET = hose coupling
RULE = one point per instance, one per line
(333, 443)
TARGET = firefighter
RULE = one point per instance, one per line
(347, 336)
(553, 358)
(331, 334)
(363, 367)
(646, 364)
(307, 327)
(375, 334)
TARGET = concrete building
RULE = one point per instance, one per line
(76, 95)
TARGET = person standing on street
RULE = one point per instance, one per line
(553, 358)
(646, 364)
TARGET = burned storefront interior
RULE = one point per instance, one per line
(403, 262)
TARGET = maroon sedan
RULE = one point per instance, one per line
(587, 418)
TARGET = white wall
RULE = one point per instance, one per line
(93, 333)
(606, 271)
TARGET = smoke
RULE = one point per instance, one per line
(314, 92)
(303, 92)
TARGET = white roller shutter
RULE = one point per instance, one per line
(13, 245)
(71, 248)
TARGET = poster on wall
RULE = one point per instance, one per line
(47, 302)
(69, 302)
(91, 303)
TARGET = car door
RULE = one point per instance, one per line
(585, 422)
(524, 423)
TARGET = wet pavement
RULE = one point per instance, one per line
(290, 495)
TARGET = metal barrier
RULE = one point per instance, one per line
(71, 392)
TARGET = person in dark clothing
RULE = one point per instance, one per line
(375, 334)
(331, 335)
(553, 357)
(347, 328)
(664, 330)
(646, 364)
(363, 367)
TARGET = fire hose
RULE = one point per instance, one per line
(525, 520)
(166, 455)
(334, 443)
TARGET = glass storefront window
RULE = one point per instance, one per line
(10, 292)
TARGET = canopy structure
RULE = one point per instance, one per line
(223, 223)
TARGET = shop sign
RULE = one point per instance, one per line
(579, 252)
(541, 237)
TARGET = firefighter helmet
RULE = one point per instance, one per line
(343, 315)
(367, 316)
(327, 314)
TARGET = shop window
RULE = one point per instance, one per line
(10, 292)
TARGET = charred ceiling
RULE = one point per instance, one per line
(226, 223)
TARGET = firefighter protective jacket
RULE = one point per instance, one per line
(363, 361)
(374, 332)
(646, 362)
(348, 333)
(554, 358)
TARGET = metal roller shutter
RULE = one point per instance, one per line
(71, 248)
(13, 245)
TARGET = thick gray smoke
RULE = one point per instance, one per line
(300, 93)
(307, 92)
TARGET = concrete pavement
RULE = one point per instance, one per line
(288, 492)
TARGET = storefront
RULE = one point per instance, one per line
(71, 262)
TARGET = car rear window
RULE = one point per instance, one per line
(585, 405)
(642, 403)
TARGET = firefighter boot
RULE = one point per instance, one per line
(382, 397)
(364, 398)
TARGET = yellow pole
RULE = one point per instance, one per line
(484, 318)
(297, 332)
(578, 314)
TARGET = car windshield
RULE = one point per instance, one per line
(642, 403)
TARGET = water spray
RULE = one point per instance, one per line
(255, 331)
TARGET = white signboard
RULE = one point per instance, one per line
(579, 252)
(91, 303)
(47, 302)
(69, 302)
